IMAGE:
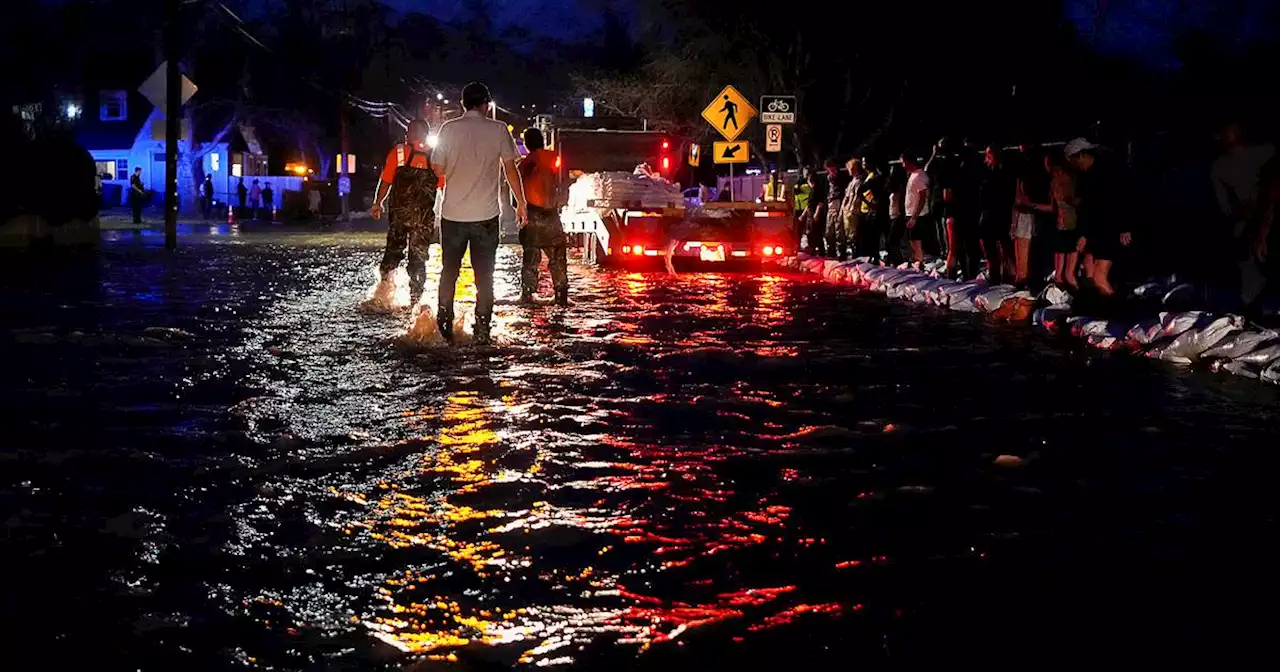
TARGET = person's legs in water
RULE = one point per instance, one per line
(558, 264)
(397, 239)
(419, 250)
(894, 254)
(529, 273)
(453, 245)
(484, 237)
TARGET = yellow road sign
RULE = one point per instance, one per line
(694, 156)
(729, 114)
(738, 151)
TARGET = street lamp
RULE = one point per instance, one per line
(73, 110)
(439, 96)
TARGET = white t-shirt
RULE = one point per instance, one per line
(917, 189)
(895, 205)
(470, 151)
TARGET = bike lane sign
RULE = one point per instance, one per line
(778, 109)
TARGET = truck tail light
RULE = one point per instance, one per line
(666, 163)
(638, 250)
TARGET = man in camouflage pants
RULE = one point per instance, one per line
(412, 184)
(543, 233)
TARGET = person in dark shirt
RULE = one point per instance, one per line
(873, 209)
(206, 196)
(952, 171)
(268, 202)
(815, 215)
(136, 195)
(242, 195)
(1104, 213)
(995, 208)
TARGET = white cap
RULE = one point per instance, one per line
(1076, 146)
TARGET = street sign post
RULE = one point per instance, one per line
(737, 151)
(778, 109)
(773, 138)
(695, 156)
(729, 112)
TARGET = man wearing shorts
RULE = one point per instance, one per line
(916, 204)
(1102, 211)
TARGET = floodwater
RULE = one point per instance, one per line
(214, 460)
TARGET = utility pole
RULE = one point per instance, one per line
(342, 111)
(172, 122)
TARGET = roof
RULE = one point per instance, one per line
(94, 133)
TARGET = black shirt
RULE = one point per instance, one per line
(1104, 197)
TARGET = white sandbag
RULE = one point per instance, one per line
(1271, 374)
(1151, 290)
(991, 299)
(962, 300)
(936, 293)
(1051, 318)
(884, 281)
(858, 275)
(923, 292)
(1056, 296)
(813, 265)
(1146, 331)
(1173, 324)
(1187, 346)
(1085, 327)
(1240, 343)
(1261, 357)
(829, 264)
(1241, 369)
(1102, 342)
(910, 289)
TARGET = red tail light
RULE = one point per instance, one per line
(777, 249)
(666, 163)
(638, 250)
(767, 251)
(665, 145)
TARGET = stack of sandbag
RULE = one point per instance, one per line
(642, 190)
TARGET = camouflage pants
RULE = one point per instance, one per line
(416, 233)
(557, 263)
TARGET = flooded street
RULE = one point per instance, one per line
(214, 460)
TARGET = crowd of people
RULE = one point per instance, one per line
(1073, 214)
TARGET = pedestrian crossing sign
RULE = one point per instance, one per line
(729, 113)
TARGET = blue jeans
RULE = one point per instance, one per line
(483, 238)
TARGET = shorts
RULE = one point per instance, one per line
(1065, 241)
(924, 227)
(1024, 224)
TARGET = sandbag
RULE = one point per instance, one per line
(963, 299)
(1181, 295)
(1016, 308)
(1187, 347)
(1146, 331)
(936, 294)
(1151, 290)
(906, 288)
(1240, 343)
(1271, 374)
(1084, 327)
(1261, 357)
(1056, 296)
(925, 292)
(1241, 369)
(1103, 342)
(1051, 318)
(813, 265)
(992, 298)
(1173, 324)
(911, 289)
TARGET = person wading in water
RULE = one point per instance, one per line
(412, 185)
(543, 233)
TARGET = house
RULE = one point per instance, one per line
(123, 131)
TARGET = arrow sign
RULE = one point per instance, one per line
(738, 151)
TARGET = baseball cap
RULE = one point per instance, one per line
(1076, 146)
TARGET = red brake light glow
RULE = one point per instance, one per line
(665, 144)
(638, 250)
(777, 250)
(666, 163)
(767, 251)
(626, 249)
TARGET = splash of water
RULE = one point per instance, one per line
(389, 294)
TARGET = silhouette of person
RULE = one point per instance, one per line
(730, 110)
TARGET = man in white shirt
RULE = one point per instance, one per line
(473, 153)
(1235, 184)
(916, 204)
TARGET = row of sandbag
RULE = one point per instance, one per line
(918, 286)
(1226, 342)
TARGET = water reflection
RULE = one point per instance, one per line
(713, 461)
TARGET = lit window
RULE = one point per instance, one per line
(106, 169)
(215, 162)
(237, 170)
(113, 106)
